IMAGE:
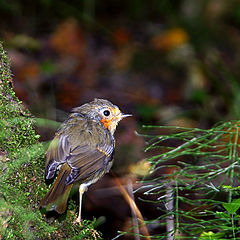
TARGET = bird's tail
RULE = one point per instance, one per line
(56, 198)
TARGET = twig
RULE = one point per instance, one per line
(134, 214)
(133, 206)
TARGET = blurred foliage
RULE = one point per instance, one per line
(190, 168)
(160, 53)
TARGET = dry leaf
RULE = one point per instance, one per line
(69, 39)
(121, 37)
(170, 39)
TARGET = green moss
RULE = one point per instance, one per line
(16, 122)
(22, 174)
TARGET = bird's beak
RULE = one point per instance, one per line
(126, 115)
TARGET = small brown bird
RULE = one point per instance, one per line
(83, 149)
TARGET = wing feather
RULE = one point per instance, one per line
(86, 146)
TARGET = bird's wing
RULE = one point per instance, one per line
(87, 147)
(56, 154)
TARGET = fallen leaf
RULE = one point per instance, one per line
(121, 37)
(69, 39)
(169, 39)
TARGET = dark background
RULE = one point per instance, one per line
(166, 62)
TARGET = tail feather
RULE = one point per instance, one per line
(56, 198)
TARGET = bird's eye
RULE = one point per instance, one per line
(106, 113)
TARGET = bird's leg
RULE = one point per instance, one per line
(82, 189)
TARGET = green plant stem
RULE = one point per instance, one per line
(177, 208)
(233, 156)
(233, 229)
(198, 164)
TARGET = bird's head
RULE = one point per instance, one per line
(103, 111)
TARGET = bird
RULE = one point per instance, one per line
(81, 152)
